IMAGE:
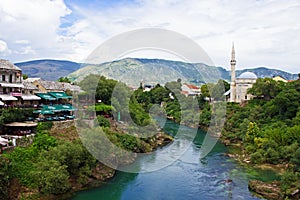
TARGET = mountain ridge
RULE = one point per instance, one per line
(50, 69)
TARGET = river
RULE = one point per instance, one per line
(189, 177)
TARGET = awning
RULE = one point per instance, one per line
(60, 95)
(1, 103)
(58, 108)
(45, 96)
(44, 112)
(12, 85)
(21, 124)
(66, 107)
(30, 97)
(51, 108)
(5, 97)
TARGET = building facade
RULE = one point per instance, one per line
(10, 82)
(190, 90)
(243, 83)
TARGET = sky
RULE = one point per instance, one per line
(265, 32)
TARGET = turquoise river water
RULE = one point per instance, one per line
(188, 178)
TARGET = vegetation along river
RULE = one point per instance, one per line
(214, 177)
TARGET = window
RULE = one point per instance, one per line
(3, 77)
(246, 97)
(11, 78)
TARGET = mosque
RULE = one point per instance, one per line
(240, 85)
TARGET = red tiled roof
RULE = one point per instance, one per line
(184, 92)
(192, 86)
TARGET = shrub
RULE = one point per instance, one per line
(4, 177)
(51, 177)
(296, 160)
(102, 121)
(272, 156)
(44, 126)
(257, 157)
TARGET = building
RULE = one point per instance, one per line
(190, 90)
(279, 78)
(28, 94)
(14, 91)
(10, 83)
(243, 83)
(240, 85)
(148, 88)
(52, 86)
(29, 88)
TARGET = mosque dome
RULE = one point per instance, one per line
(248, 75)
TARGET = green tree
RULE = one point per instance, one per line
(296, 160)
(252, 132)
(266, 88)
(25, 76)
(43, 141)
(105, 89)
(174, 87)
(64, 79)
(159, 94)
(287, 103)
(102, 121)
(89, 84)
(51, 177)
(98, 87)
(218, 90)
(205, 90)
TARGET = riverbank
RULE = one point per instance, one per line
(272, 190)
(66, 131)
(267, 190)
(236, 151)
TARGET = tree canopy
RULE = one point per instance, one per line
(64, 79)
(266, 88)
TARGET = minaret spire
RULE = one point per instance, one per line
(233, 52)
(232, 84)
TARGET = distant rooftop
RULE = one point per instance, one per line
(32, 79)
(5, 64)
(194, 87)
(60, 86)
(29, 85)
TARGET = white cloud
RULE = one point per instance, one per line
(33, 21)
(3, 46)
(22, 42)
(266, 33)
(25, 50)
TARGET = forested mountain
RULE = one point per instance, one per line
(133, 70)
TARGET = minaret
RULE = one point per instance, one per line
(232, 84)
